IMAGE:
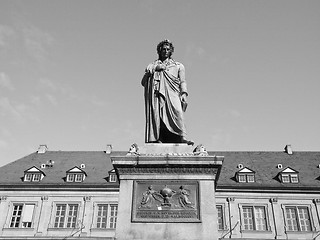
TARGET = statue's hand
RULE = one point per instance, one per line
(184, 98)
(160, 67)
(184, 102)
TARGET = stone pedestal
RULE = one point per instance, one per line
(167, 192)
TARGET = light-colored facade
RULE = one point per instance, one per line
(65, 195)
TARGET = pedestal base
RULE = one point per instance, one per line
(167, 195)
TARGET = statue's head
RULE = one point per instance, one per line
(163, 43)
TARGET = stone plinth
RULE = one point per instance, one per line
(167, 192)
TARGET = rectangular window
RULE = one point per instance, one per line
(298, 218)
(113, 216)
(250, 178)
(106, 215)
(36, 177)
(285, 178)
(70, 178)
(102, 216)
(254, 218)
(220, 217)
(79, 177)
(112, 178)
(22, 215)
(242, 178)
(294, 178)
(66, 215)
(28, 177)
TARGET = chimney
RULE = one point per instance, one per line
(109, 149)
(42, 148)
(288, 149)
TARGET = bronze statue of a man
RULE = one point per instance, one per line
(165, 98)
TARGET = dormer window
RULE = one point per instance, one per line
(112, 176)
(33, 174)
(289, 175)
(245, 175)
(75, 174)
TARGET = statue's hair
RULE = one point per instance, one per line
(165, 42)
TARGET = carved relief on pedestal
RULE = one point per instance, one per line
(165, 201)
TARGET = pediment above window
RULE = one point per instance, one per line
(33, 174)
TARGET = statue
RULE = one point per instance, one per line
(165, 98)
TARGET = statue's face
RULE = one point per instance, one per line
(165, 51)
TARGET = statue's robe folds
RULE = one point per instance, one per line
(162, 94)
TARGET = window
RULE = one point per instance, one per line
(66, 215)
(32, 177)
(22, 215)
(254, 218)
(289, 178)
(106, 215)
(112, 178)
(245, 178)
(220, 217)
(250, 178)
(75, 177)
(297, 218)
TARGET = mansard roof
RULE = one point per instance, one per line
(97, 164)
(266, 167)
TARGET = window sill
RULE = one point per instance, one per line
(62, 229)
(256, 231)
(102, 229)
(18, 229)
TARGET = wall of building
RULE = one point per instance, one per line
(45, 210)
(277, 222)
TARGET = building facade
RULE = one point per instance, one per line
(65, 195)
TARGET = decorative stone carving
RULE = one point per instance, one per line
(3, 198)
(167, 170)
(316, 201)
(166, 201)
(87, 198)
(44, 198)
(273, 200)
(200, 150)
(134, 150)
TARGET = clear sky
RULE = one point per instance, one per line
(70, 72)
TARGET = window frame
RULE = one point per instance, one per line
(244, 177)
(223, 217)
(32, 177)
(112, 177)
(66, 217)
(75, 177)
(110, 220)
(20, 224)
(289, 177)
(253, 218)
(297, 217)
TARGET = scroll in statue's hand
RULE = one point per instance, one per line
(184, 102)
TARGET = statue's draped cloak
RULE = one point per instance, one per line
(162, 93)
